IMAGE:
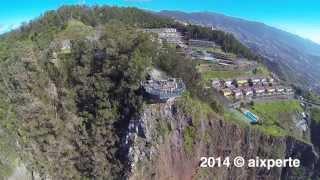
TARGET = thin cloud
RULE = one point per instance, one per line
(1, 27)
(7, 28)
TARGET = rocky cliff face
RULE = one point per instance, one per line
(167, 143)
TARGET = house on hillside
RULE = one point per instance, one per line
(228, 83)
(248, 92)
(270, 90)
(242, 82)
(226, 92)
(255, 81)
(264, 81)
(289, 91)
(259, 91)
(270, 80)
(237, 93)
(280, 89)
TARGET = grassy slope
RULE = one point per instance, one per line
(209, 72)
(197, 110)
(312, 97)
(76, 30)
(212, 74)
(315, 114)
(223, 74)
(8, 154)
(276, 116)
(235, 116)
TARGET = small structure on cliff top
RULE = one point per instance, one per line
(252, 118)
(163, 90)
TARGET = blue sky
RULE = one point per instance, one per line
(300, 17)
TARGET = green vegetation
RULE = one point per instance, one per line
(81, 119)
(312, 97)
(75, 30)
(106, 92)
(261, 70)
(208, 73)
(70, 119)
(163, 128)
(236, 117)
(223, 74)
(189, 136)
(315, 115)
(227, 41)
(178, 66)
(73, 114)
(276, 116)
(196, 110)
(193, 107)
(8, 154)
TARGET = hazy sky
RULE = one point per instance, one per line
(301, 17)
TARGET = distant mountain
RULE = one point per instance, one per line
(294, 58)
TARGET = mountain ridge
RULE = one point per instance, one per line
(247, 21)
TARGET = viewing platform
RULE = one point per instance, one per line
(163, 90)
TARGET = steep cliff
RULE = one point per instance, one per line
(72, 108)
(168, 142)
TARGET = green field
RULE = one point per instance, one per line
(223, 74)
(277, 116)
(208, 73)
(75, 29)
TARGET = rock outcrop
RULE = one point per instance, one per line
(159, 147)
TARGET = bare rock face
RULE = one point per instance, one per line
(160, 147)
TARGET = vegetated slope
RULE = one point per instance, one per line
(72, 82)
(71, 105)
(71, 113)
(294, 58)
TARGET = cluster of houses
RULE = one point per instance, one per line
(235, 88)
(251, 88)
